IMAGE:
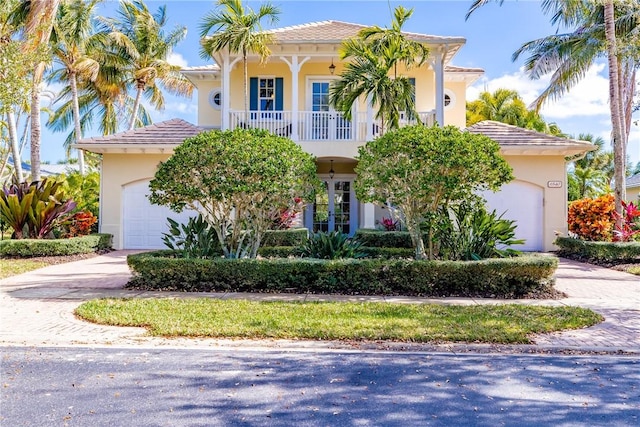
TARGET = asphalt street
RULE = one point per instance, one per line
(204, 387)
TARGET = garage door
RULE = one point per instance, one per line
(144, 223)
(522, 202)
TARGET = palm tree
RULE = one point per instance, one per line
(372, 71)
(36, 19)
(75, 48)
(367, 74)
(238, 29)
(396, 46)
(506, 106)
(569, 56)
(105, 100)
(141, 38)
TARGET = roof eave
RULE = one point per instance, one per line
(116, 148)
(544, 150)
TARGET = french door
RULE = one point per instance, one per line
(335, 208)
(326, 123)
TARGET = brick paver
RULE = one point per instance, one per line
(37, 307)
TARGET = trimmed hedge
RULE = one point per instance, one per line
(608, 251)
(372, 252)
(291, 237)
(502, 278)
(383, 239)
(26, 248)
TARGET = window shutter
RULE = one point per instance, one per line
(253, 93)
(279, 93)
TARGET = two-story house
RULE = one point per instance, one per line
(289, 95)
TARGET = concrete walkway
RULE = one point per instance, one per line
(36, 308)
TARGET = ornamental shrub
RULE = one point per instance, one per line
(25, 248)
(497, 278)
(592, 219)
(598, 251)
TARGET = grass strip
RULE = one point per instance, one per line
(206, 317)
(13, 267)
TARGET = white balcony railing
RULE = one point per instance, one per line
(320, 125)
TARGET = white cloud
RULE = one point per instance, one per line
(588, 98)
(177, 59)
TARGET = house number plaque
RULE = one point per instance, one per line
(554, 184)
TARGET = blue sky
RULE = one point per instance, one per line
(493, 33)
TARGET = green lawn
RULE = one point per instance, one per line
(13, 267)
(634, 270)
(205, 317)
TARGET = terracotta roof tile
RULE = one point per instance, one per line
(456, 69)
(336, 31)
(170, 132)
(201, 68)
(505, 134)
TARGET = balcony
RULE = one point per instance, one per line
(319, 126)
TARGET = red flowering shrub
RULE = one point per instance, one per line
(592, 219)
(79, 224)
(630, 224)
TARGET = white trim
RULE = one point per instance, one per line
(211, 98)
(452, 99)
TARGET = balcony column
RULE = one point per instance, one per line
(438, 67)
(294, 67)
(369, 214)
(226, 91)
(369, 132)
(227, 66)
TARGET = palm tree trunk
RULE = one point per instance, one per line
(15, 151)
(136, 108)
(616, 111)
(35, 122)
(76, 118)
(246, 86)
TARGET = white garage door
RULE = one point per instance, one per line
(522, 202)
(144, 223)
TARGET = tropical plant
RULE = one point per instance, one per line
(470, 232)
(389, 224)
(235, 179)
(630, 223)
(36, 20)
(238, 29)
(35, 209)
(16, 68)
(83, 189)
(76, 47)
(418, 169)
(140, 35)
(79, 224)
(331, 245)
(592, 219)
(195, 239)
(15, 204)
(372, 71)
(506, 106)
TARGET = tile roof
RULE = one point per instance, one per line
(633, 181)
(505, 134)
(201, 68)
(456, 69)
(170, 132)
(336, 31)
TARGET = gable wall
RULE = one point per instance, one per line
(117, 171)
(539, 170)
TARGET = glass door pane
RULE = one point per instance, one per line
(321, 210)
(341, 206)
